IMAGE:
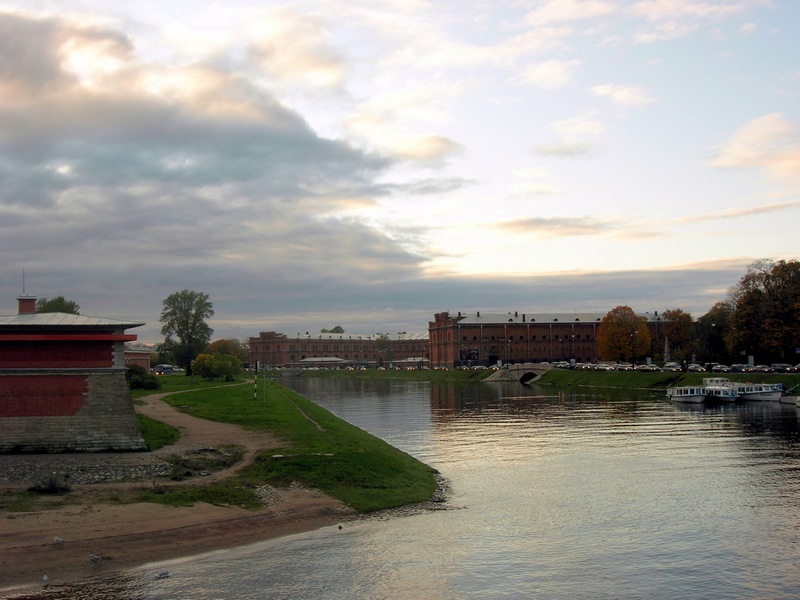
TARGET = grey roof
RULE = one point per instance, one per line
(357, 336)
(482, 318)
(62, 320)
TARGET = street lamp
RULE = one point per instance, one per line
(633, 344)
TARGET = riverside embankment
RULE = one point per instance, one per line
(300, 468)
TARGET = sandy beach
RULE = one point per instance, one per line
(126, 536)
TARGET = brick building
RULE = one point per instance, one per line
(339, 349)
(518, 337)
(62, 383)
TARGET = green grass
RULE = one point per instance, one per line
(157, 434)
(225, 493)
(417, 375)
(319, 450)
(179, 382)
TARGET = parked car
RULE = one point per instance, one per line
(762, 369)
(720, 369)
(695, 368)
(783, 368)
(740, 368)
(671, 367)
(623, 367)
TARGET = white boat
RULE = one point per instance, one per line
(721, 393)
(759, 392)
(694, 394)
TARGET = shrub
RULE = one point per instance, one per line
(139, 379)
(52, 485)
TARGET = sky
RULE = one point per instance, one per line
(368, 163)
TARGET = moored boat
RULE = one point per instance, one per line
(759, 392)
(694, 394)
(721, 393)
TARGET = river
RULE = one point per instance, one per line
(573, 494)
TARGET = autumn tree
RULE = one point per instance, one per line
(229, 346)
(184, 327)
(622, 335)
(678, 328)
(58, 304)
(212, 366)
(765, 307)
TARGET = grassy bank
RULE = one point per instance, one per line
(566, 377)
(181, 383)
(320, 450)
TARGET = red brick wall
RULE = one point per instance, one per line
(42, 396)
(53, 354)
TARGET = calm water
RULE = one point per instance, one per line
(572, 495)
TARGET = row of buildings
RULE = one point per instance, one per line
(452, 340)
(63, 385)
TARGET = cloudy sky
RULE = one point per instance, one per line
(366, 163)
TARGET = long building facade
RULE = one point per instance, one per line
(485, 339)
(275, 349)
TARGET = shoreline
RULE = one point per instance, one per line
(130, 536)
(127, 536)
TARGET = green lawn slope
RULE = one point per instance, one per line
(320, 450)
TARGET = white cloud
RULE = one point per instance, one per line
(668, 10)
(770, 143)
(626, 95)
(550, 74)
(674, 19)
(558, 11)
(580, 127)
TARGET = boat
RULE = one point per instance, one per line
(694, 394)
(721, 393)
(759, 392)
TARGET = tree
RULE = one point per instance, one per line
(203, 365)
(384, 348)
(183, 324)
(229, 346)
(57, 304)
(713, 330)
(623, 335)
(765, 307)
(211, 366)
(337, 329)
(678, 328)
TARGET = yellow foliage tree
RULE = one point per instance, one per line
(623, 335)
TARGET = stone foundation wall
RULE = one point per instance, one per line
(106, 421)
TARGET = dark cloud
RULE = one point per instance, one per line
(116, 196)
(28, 52)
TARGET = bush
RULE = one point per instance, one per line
(52, 485)
(139, 379)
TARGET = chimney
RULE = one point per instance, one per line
(27, 304)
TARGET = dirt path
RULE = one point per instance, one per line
(129, 535)
(200, 433)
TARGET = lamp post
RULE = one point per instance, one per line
(633, 345)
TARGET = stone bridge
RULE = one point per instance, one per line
(524, 373)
